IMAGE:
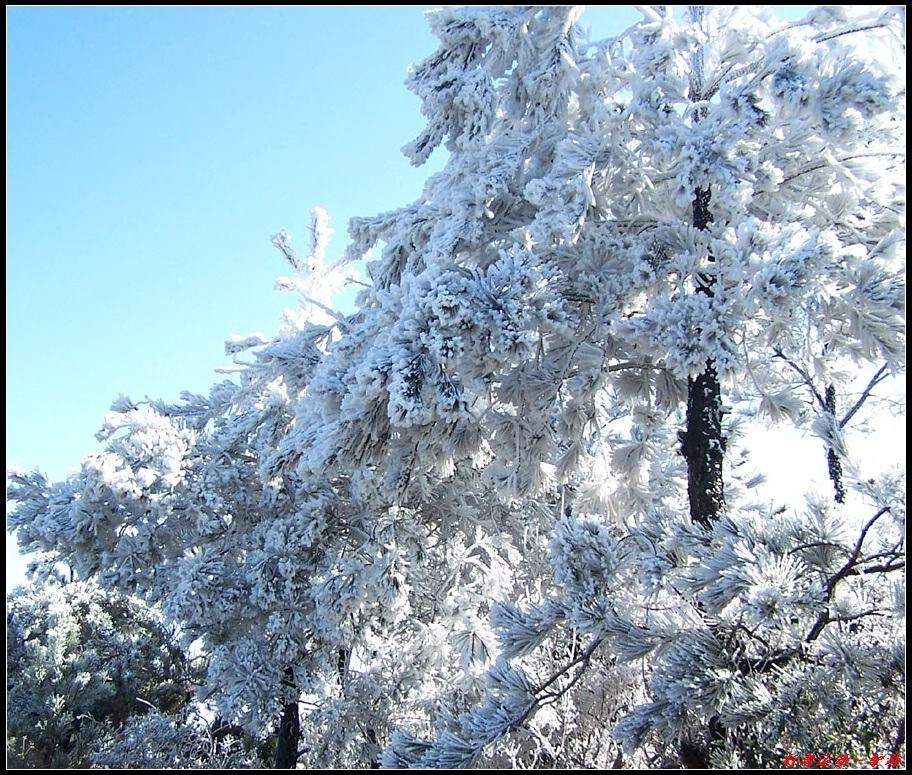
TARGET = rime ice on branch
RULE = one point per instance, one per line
(702, 215)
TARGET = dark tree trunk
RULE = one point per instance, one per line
(695, 756)
(289, 732)
(342, 667)
(833, 462)
(372, 739)
(702, 443)
(341, 664)
(221, 729)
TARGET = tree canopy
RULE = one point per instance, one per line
(498, 514)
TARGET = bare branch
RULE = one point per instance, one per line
(843, 572)
(850, 31)
(879, 377)
(885, 568)
(824, 165)
(805, 377)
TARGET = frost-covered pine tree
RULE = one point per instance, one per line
(319, 605)
(531, 426)
(80, 662)
(713, 201)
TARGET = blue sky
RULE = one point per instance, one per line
(151, 154)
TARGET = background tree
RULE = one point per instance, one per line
(80, 662)
(180, 741)
(289, 586)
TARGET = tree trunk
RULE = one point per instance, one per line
(342, 667)
(221, 729)
(695, 756)
(702, 443)
(833, 463)
(289, 732)
(342, 664)
(703, 447)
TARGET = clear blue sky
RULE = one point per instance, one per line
(151, 154)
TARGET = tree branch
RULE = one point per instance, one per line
(777, 353)
(879, 377)
(843, 572)
(851, 31)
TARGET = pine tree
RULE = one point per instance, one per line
(80, 662)
(533, 423)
